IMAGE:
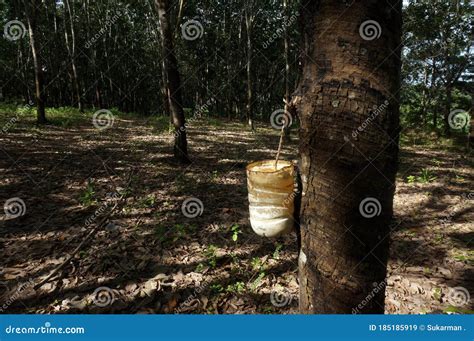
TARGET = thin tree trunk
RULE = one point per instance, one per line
(344, 247)
(447, 110)
(72, 54)
(424, 96)
(287, 128)
(173, 83)
(249, 106)
(31, 10)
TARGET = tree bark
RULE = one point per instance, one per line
(31, 10)
(447, 110)
(343, 252)
(287, 129)
(72, 55)
(249, 18)
(173, 83)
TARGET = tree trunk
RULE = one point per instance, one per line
(173, 83)
(249, 106)
(447, 110)
(424, 97)
(72, 55)
(287, 128)
(31, 10)
(347, 172)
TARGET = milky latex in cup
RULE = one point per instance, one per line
(271, 197)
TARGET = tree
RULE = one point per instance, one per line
(72, 52)
(173, 83)
(31, 9)
(287, 68)
(437, 41)
(249, 12)
(350, 73)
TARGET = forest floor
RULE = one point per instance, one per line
(149, 258)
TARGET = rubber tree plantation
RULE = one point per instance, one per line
(246, 157)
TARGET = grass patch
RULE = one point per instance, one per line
(13, 115)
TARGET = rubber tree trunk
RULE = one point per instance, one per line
(31, 10)
(347, 173)
(447, 110)
(173, 83)
(72, 54)
(249, 18)
(287, 129)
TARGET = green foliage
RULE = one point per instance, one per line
(278, 248)
(426, 176)
(235, 229)
(256, 263)
(87, 197)
(211, 256)
(236, 288)
(148, 201)
(214, 122)
(436, 38)
(437, 294)
(216, 288)
(257, 281)
(457, 310)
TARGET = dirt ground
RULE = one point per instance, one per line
(148, 257)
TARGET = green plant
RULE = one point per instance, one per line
(216, 288)
(148, 201)
(211, 255)
(235, 232)
(276, 253)
(256, 263)
(426, 176)
(268, 310)
(179, 231)
(257, 281)
(200, 267)
(87, 196)
(237, 287)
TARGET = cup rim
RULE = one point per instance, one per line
(288, 164)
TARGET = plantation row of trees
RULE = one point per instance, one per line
(109, 54)
(238, 59)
